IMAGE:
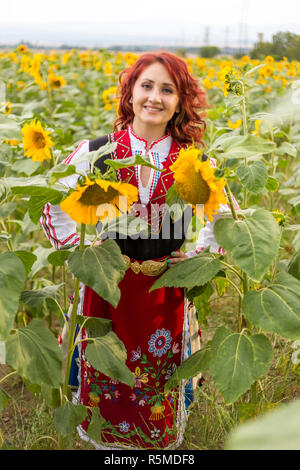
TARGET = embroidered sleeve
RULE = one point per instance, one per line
(206, 236)
(58, 227)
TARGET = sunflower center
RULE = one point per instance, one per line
(199, 189)
(39, 140)
(94, 195)
(56, 83)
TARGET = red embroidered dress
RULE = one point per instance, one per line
(157, 329)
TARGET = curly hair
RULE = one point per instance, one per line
(188, 125)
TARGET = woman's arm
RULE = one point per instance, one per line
(58, 227)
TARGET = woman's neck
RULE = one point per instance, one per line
(150, 134)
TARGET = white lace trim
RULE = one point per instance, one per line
(158, 153)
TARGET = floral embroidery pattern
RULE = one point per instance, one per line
(136, 354)
(124, 427)
(160, 342)
(140, 378)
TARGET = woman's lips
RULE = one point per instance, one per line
(152, 109)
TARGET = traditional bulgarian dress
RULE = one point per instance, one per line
(159, 329)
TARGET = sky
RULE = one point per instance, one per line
(183, 21)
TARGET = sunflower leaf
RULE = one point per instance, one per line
(131, 161)
(276, 308)
(237, 360)
(12, 278)
(191, 272)
(253, 241)
(93, 156)
(101, 268)
(108, 355)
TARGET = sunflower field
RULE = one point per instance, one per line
(247, 297)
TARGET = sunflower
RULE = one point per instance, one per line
(55, 81)
(195, 181)
(36, 142)
(22, 48)
(234, 125)
(99, 199)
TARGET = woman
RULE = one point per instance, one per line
(159, 113)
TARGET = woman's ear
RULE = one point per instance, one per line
(178, 108)
(130, 100)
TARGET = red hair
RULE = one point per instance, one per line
(187, 126)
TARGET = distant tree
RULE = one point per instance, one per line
(261, 50)
(284, 44)
(209, 51)
(293, 50)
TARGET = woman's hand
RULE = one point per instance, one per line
(177, 256)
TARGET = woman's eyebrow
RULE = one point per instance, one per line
(166, 83)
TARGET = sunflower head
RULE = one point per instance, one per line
(36, 141)
(196, 183)
(96, 198)
(22, 48)
(55, 81)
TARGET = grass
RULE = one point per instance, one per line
(27, 422)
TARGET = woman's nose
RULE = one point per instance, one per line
(155, 95)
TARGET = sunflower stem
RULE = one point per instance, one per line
(72, 330)
(245, 129)
(230, 200)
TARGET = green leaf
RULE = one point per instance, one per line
(196, 363)
(191, 272)
(276, 308)
(9, 129)
(33, 298)
(262, 354)
(200, 296)
(127, 225)
(272, 184)
(275, 430)
(238, 146)
(27, 259)
(68, 417)
(253, 176)
(95, 327)
(34, 353)
(7, 209)
(253, 241)
(12, 279)
(42, 259)
(253, 69)
(93, 156)
(237, 360)
(287, 148)
(108, 355)
(131, 161)
(28, 167)
(51, 396)
(59, 257)
(60, 171)
(101, 268)
(42, 197)
(294, 266)
(96, 425)
(231, 363)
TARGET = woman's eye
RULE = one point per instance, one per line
(146, 85)
(168, 90)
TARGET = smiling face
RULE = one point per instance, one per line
(154, 99)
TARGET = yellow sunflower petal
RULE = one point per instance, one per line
(196, 183)
(99, 199)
